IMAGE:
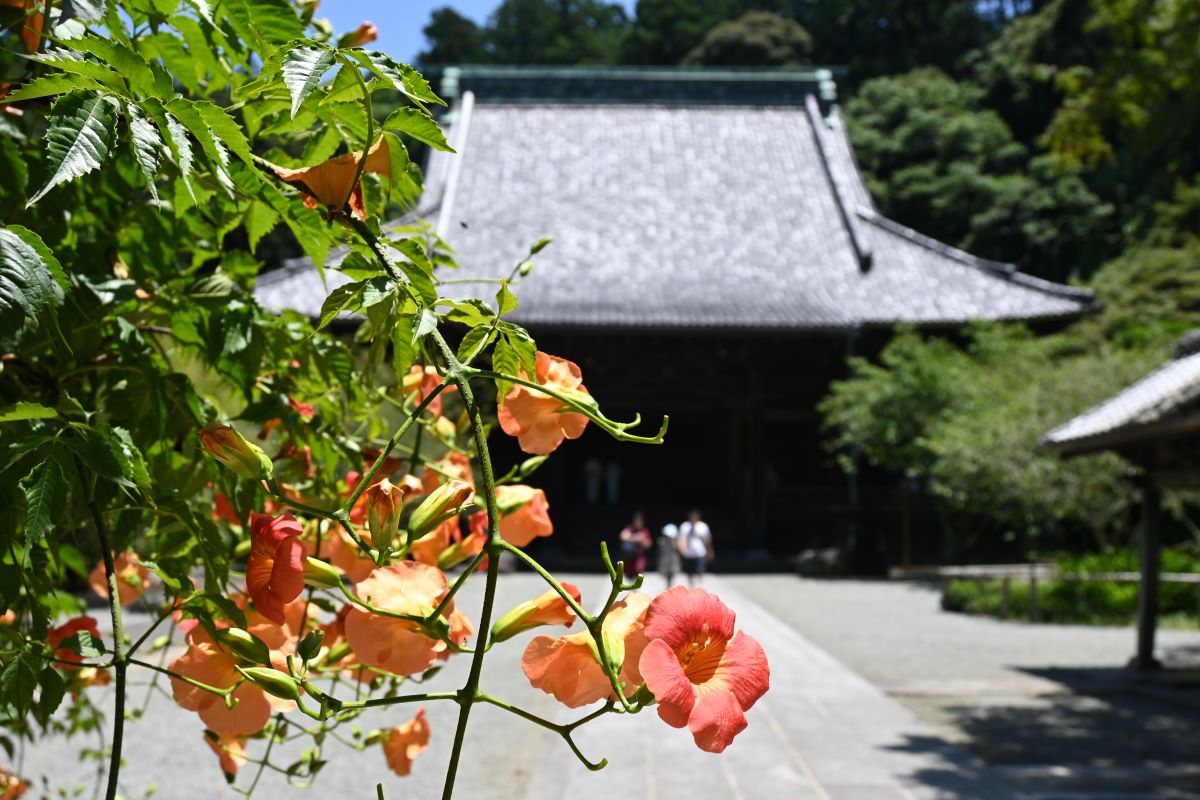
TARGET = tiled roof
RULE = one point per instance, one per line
(677, 214)
(1161, 396)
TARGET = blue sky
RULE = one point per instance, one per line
(400, 21)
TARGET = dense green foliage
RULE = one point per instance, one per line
(1077, 602)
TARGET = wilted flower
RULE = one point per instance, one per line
(331, 183)
(234, 451)
(702, 674)
(540, 422)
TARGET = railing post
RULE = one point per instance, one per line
(1149, 556)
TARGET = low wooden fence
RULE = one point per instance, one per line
(1033, 573)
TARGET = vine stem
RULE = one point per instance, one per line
(468, 696)
(120, 662)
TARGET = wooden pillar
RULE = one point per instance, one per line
(1149, 554)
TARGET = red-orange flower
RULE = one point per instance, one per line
(453, 465)
(702, 674)
(231, 750)
(395, 645)
(524, 514)
(549, 608)
(331, 183)
(405, 742)
(540, 422)
(422, 381)
(567, 668)
(11, 787)
(275, 569)
(133, 579)
(429, 548)
(207, 663)
(55, 637)
(385, 502)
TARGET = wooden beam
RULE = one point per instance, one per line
(1149, 554)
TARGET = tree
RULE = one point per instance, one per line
(453, 39)
(665, 31)
(883, 37)
(556, 32)
(756, 39)
(936, 160)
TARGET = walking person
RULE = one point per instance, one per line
(668, 552)
(695, 545)
(635, 541)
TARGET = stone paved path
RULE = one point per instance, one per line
(821, 732)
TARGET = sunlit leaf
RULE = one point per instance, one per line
(82, 125)
(419, 126)
(302, 70)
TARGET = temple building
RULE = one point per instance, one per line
(716, 257)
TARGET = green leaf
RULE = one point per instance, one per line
(45, 494)
(263, 23)
(521, 342)
(473, 339)
(142, 77)
(506, 360)
(419, 126)
(82, 125)
(85, 644)
(398, 76)
(302, 70)
(54, 688)
(189, 114)
(540, 245)
(472, 312)
(403, 351)
(24, 411)
(182, 145)
(18, 681)
(30, 279)
(110, 454)
(48, 85)
(86, 11)
(426, 323)
(226, 129)
(75, 64)
(147, 145)
(342, 299)
(506, 301)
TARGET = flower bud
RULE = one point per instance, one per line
(233, 450)
(445, 502)
(320, 575)
(385, 501)
(272, 681)
(459, 552)
(310, 645)
(244, 644)
(548, 609)
(530, 465)
(363, 34)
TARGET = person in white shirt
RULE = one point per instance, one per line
(695, 545)
(668, 552)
